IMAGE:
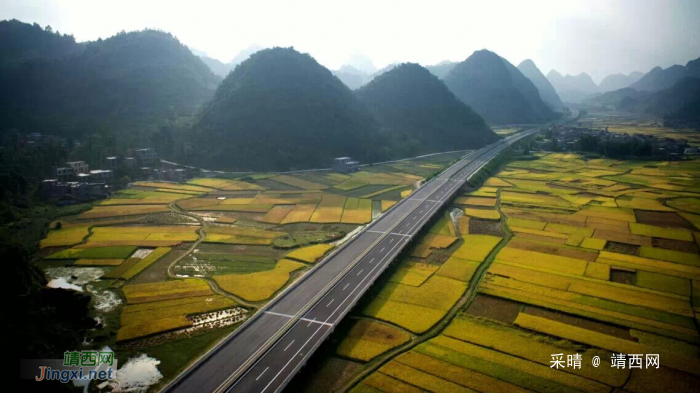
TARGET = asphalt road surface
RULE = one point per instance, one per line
(264, 354)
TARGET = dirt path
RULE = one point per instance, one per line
(202, 234)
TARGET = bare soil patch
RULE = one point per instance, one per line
(622, 248)
(552, 249)
(502, 310)
(618, 237)
(484, 227)
(662, 219)
(623, 276)
(676, 245)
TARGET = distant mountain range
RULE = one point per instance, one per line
(546, 90)
(572, 88)
(442, 69)
(679, 98)
(672, 93)
(659, 78)
(222, 69)
(361, 62)
(351, 76)
(497, 90)
(355, 78)
(618, 81)
(420, 114)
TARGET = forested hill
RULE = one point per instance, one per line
(679, 101)
(415, 107)
(546, 90)
(127, 85)
(281, 110)
(659, 78)
(20, 42)
(497, 90)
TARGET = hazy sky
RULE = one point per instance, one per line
(597, 37)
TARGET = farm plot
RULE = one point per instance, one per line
(367, 339)
(258, 286)
(418, 294)
(67, 236)
(330, 209)
(114, 252)
(137, 263)
(578, 225)
(416, 308)
(160, 307)
(145, 236)
(121, 210)
(134, 196)
(174, 186)
(299, 182)
(240, 235)
(357, 211)
(310, 254)
(225, 184)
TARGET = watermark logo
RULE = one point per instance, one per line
(75, 366)
(87, 358)
(617, 360)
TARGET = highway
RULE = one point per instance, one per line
(266, 352)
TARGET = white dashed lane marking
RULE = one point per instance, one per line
(261, 374)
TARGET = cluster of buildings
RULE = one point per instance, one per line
(569, 137)
(141, 158)
(75, 181)
(345, 165)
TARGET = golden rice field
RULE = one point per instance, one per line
(224, 184)
(147, 234)
(142, 235)
(601, 257)
(367, 339)
(330, 209)
(310, 254)
(260, 285)
(65, 236)
(145, 197)
(175, 289)
(161, 307)
(173, 186)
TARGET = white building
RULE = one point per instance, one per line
(345, 165)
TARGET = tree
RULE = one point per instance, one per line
(58, 226)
